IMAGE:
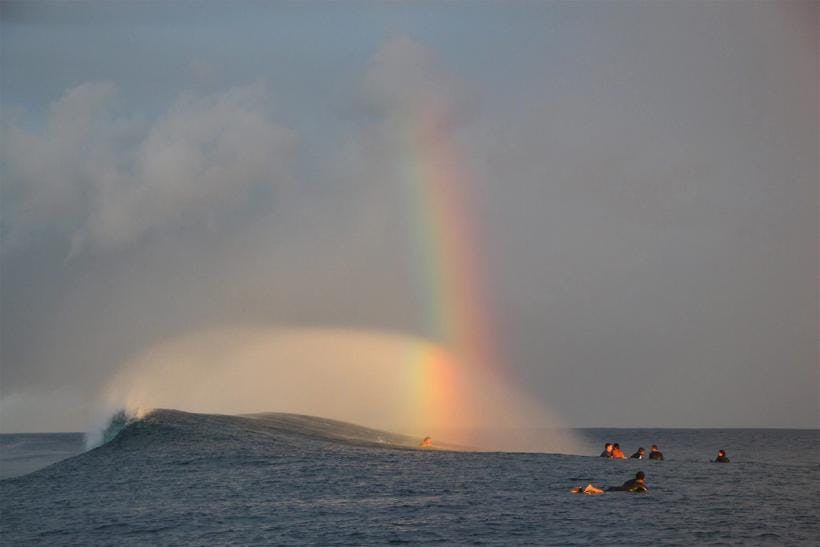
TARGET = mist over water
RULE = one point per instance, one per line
(375, 379)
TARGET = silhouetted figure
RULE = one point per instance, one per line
(639, 454)
(655, 454)
(607, 453)
(638, 484)
(721, 457)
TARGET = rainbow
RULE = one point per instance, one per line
(448, 270)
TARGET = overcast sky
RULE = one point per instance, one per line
(645, 192)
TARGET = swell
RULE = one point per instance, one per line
(163, 439)
(174, 427)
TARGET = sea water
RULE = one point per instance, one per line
(179, 478)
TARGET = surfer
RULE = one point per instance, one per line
(427, 442)
(638, 484)
(607, 453)
(617, 452)
(721, 457)
(639, 454)
(655, 454)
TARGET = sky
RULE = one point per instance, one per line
(632, 187)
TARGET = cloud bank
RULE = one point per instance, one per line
(108, 180)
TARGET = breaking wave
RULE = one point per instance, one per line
(105, 430)
(385, 381)
(268, 428)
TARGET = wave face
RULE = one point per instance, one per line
(269, 432)
(173, 477)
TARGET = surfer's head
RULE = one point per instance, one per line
(721, 453)
(640, 476)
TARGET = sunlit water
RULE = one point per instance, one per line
(176, 478)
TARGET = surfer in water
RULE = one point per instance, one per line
(655, 454)
(607, 453)
(426, 443)
(617, 452)
(638, 484)
(639, 454)
(721, 457)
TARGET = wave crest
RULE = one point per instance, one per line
(107, 430)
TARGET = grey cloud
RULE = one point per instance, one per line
(46, 173)
(108, 179)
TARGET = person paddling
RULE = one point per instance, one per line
(639, 454)
(721, 457)
(636, 485)
(655, 454)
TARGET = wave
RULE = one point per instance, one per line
(164, 436)
(390, 381)
(176, 427)
(108, 425)
(117, 423)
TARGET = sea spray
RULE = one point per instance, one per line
(383, 380)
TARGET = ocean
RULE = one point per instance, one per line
(177, 478)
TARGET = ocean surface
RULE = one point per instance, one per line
(176, 478)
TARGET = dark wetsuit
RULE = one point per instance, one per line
(657, 455)
(636, 456)
(721, 459)
(632, 485)
(606, 454)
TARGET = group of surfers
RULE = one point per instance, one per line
(638, 484)
(613, 450)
